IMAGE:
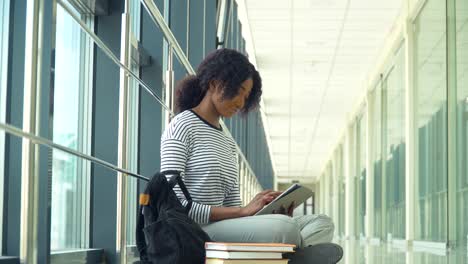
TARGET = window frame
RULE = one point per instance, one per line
(133, 126)
(84, 135)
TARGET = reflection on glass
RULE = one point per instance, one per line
(69, 174)
(430, 78)
(394, 154)
(462, 121)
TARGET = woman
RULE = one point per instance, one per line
(194, 143)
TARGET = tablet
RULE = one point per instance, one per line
(295, 193)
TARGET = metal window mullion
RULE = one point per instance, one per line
(123, 133)
(370, 146)
(30, 151)
(222, 22)
(84, 136)
(383, 154)
(335, 185)
(452, 125)
(169, 87)
(87, 99)
(411, 134)
(349, 188)
(247, 189)
(250, 186)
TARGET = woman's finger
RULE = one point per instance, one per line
(265, 192)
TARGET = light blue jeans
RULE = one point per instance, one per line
(299, 230)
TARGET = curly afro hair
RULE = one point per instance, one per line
(227, 67)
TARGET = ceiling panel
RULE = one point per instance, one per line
(313, 56)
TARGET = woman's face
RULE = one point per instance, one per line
(229, 107)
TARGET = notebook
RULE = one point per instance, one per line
(296, 193)
(242, 255)
(263, 247)
(246, 261)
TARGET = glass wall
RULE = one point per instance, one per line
(394, 147)
(71, 126)
(330, 190)
(133, 98)
(376, 130)
(428, 56)
(82, 115)
(360, 177)
(321, 200)
(462, 120)
(4, 23)
(431, 103)
(341, 191)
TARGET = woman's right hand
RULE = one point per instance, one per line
(258, 202)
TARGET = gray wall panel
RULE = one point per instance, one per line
(196, 32)
(210, 26)
(150, 110)
(178, 25)
(12, 207)
(46, 130)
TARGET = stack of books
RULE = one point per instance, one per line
(246, 253)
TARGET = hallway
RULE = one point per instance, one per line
(357, 252)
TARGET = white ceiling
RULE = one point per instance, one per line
(313, 56)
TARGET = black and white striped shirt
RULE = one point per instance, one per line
(207, 158)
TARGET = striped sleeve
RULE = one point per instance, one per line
(174, 155)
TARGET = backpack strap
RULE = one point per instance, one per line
(140, 237)
(177, 179)
(140, 225)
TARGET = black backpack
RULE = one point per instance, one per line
(165, 234)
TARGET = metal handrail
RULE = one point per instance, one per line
(110, 54)
(47, 143)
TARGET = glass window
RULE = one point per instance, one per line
(134, 95)
(431, 104)
(4, 23)
(330, 190)
(360, 179)
(462, 120)
(71, 128)
(341, 192)
(376, 130)
(394, 152)
(322, 194)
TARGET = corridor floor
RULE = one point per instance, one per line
(357, 252)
